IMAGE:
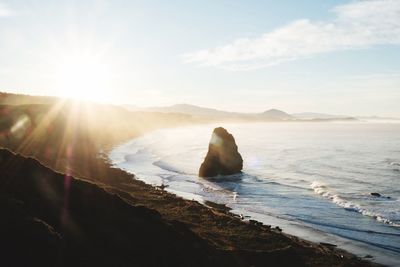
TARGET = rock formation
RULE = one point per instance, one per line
(222, 157)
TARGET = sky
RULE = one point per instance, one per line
(337, 57)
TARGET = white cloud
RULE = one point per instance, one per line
(5, 11)
(357, 25)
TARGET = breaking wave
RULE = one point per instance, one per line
(323, 190)
(168, 167)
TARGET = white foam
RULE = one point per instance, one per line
(325, 191)
(166, 166)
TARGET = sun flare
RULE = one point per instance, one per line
(82, 78)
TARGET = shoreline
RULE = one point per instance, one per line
(253, 244)
(296, 230)
(293, 229)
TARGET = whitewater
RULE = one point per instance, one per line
(314, 180)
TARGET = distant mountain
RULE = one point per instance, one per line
(193, 110)
(377, 118)
(272, 114)
(277, 114)
(313, 115)
(132, 107)
(268, 115)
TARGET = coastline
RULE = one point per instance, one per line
(249, 242)
(291, 228)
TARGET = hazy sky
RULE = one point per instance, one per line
(339, 57)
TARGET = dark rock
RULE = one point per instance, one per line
(162, 186)
(217, 206)
(256, 223)
(329, 245)
(375, 194)
(222, 157)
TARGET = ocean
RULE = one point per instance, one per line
(312, 179)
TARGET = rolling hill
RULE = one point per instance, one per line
(197, 111)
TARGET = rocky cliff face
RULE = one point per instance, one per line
(223, 157)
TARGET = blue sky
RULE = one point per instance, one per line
(339, 57)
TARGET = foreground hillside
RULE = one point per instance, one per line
(50, 219)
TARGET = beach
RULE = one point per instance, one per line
(242, 243)
(314, 180)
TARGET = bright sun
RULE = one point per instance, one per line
(82, 78)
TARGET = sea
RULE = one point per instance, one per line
(312, 179)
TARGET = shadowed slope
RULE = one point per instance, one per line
(52, 219)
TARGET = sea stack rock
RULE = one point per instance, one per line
(223, 157)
